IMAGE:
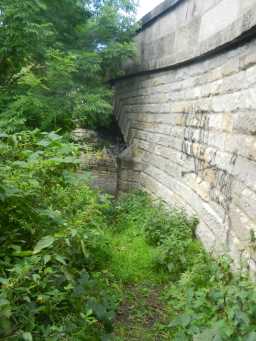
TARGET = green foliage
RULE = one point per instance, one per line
(53, 248)
(132, 210)
(210, 303)
(133, 260)
(66, 251)
(204, 300)
(68, 255)
(55, 59)
(171, 232)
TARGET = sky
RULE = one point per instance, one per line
(146, 6)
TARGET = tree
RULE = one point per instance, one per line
(56, 57)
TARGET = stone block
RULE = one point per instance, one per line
(241, 226)
(218, 18)
(251, 75)
(230, 67)
(248, 60)
(206, 236)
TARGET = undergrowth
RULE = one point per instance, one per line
(54, 285)
(200, 298)
(76, 266)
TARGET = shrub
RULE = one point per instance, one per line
(53, 248)
(211, 303)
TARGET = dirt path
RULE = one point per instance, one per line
(142, 314)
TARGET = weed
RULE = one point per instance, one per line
(74, 266)
(133, 258)
(199, 297)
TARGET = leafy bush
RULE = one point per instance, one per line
(210, 303)
(53, 248)
(166, 224)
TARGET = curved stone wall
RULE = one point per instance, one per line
(191, 127)
(181, 30)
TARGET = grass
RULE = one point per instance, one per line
(133, 258)
(170, 288)
(142, 312)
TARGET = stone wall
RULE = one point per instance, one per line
(180, 30)
(191, 127)
(98, 160)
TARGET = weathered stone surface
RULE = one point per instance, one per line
(218, 17)
(188, 30)
(192, 129)
(100, 162)
(103, 169)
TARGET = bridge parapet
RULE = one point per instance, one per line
(179, 31)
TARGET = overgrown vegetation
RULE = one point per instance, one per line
(74, 265)
(56, 57)
(200, 299)
(53, 248)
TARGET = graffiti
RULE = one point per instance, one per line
(196, 136)
(195, 146)
(221, 189)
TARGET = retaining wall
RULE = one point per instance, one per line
(187, 110)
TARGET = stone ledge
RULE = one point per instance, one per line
(161, 9)
(192, 40)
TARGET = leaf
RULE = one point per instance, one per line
(170, 267)
(46, 259)
(60, 259)
(43, 243)
(5, 308)
(4, 281)
(27, 336)
(99, 310)
(215, 333)
(251, 337)
(242, 317)
(44, 143)
(185, 320)
(41, 5)
(22, 253)
(3, 301)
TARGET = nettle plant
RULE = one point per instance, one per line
(53, 249)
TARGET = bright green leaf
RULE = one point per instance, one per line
(43, 243)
